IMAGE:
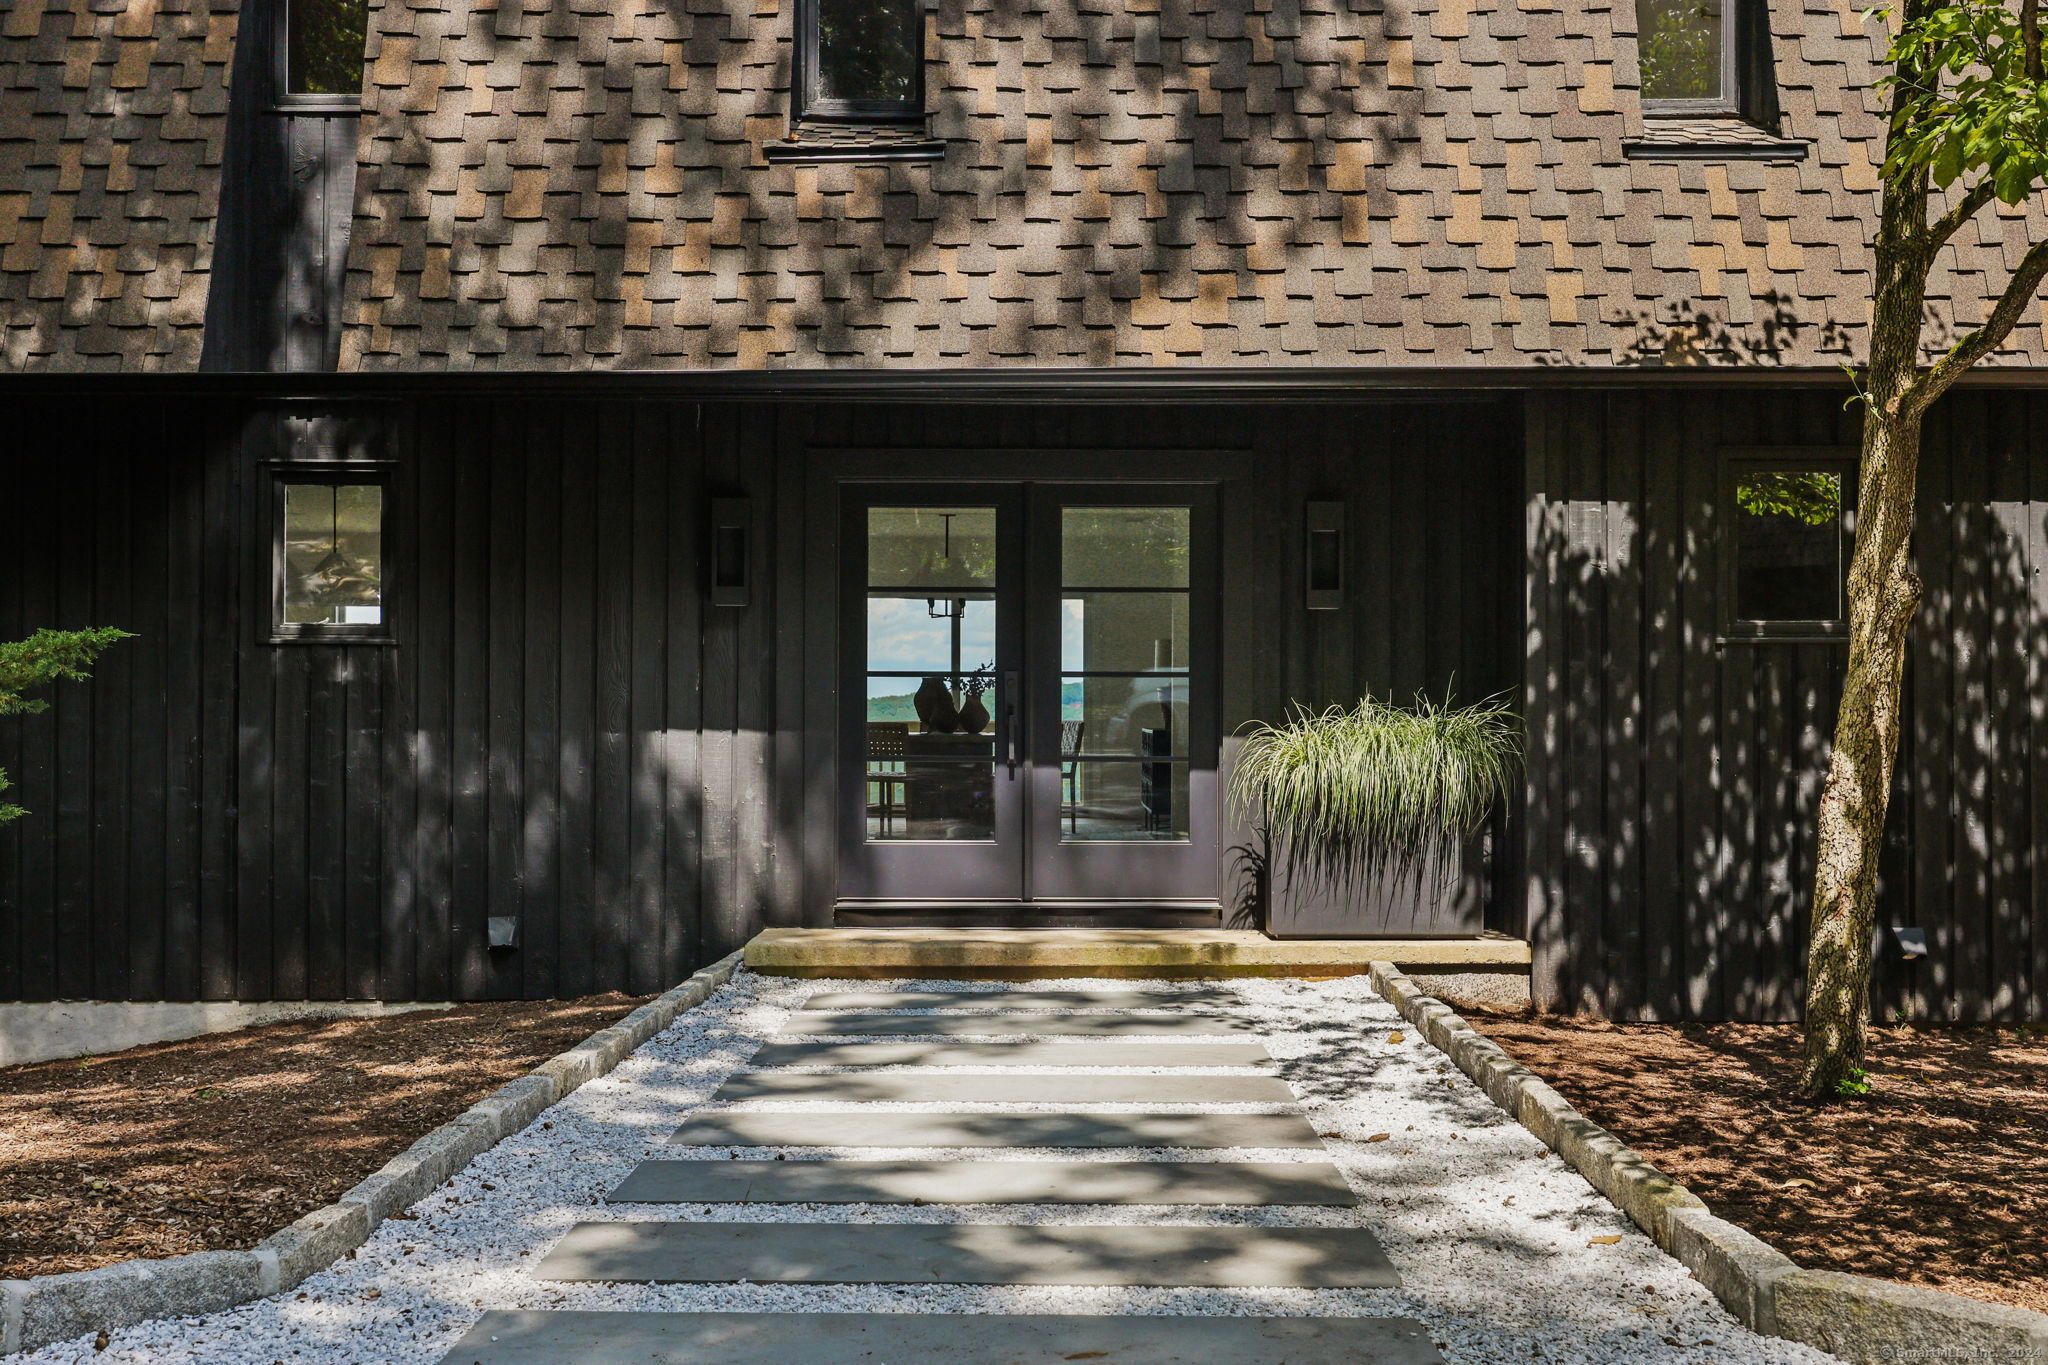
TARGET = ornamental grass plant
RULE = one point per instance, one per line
(1376, 790)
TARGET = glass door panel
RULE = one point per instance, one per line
(931, 658)
(931, 805)
(1132, 706)
(1027, 674)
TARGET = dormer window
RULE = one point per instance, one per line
(1687, 51)
(859, 92)
(864, 60)
(320, 52)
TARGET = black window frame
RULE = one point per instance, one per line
(1734, 467)
(1748, 74)
(283, 97)
(287, 474)
(810, 106)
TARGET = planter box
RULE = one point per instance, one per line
(1439, 899)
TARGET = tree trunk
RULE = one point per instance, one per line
(1883, 592)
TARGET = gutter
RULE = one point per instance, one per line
(1191, 384)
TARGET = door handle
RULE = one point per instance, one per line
(1010, 722)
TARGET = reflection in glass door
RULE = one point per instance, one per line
(1123, 673)
(931, 672)
(930, 770)
(1123, 800)
(1028, 707)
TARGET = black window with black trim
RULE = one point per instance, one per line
(1687, 51)
(859, 88)
(320, 50)
(1790, 527)
(863, 60)
(328, 570)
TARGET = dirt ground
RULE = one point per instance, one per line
(1938, 1178)
(215, 1143)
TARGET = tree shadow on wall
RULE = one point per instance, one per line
(1688, 334)
(1675, 775)
(843, 263)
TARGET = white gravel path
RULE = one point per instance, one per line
(1492, 1233)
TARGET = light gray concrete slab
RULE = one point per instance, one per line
(984, 1182)
(1022, 999)
(1076, 1053)
(894, 1128)
(970, 1253)
(581, 1337)
(849, 1024)
(916, 1087)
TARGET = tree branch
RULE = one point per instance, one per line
(1973, 347)
(2030, 34)
(1966, 208)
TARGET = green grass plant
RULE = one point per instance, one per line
(1376, 788)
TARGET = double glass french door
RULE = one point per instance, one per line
(1029, 704)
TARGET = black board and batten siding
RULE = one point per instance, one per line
(565, 730)
(1674, 773)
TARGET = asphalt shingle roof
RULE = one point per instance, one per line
(580, 183)
(113, 121)
(564, 184)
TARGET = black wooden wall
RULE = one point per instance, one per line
(566, 733)
(563, 730)
(1673, 774)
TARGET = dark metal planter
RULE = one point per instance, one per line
(1428, 898)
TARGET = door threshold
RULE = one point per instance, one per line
(958, 914)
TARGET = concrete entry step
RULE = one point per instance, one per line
(1185, 998)
(986, 1024)
(984, 1182)
(1077, 1053)
(581, 1337)
(894, 1128)
(1178, 954)
(970, 1253)
(1006, 1088)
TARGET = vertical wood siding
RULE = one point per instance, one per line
(1673, 777)
(565, 732)
(561, 731)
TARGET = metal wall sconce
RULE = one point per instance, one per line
(1323, 553)
(1912, 942)
(732, 534)
(502, 931)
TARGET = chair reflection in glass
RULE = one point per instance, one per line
(1070, 771)
(887, 740)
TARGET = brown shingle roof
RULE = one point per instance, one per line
(565, 183)
(112, 126)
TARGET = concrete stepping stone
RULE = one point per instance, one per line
(984, 1182)
(970, 1253)
(987, 1024)
(1077, 1053)
(583, 1337)
(1021, 1000)
(1002, 1088)
(893, 1128)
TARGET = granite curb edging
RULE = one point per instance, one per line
(1863, 1320)
(52, 1308)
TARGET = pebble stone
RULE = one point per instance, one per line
(1506, 1255)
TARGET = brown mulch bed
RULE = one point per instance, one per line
(1938, 1178)
(214, 1143)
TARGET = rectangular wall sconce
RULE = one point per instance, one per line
(1323, 553)
(732, 534)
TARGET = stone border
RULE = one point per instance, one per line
(1863, 1320)
(53, 1308)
